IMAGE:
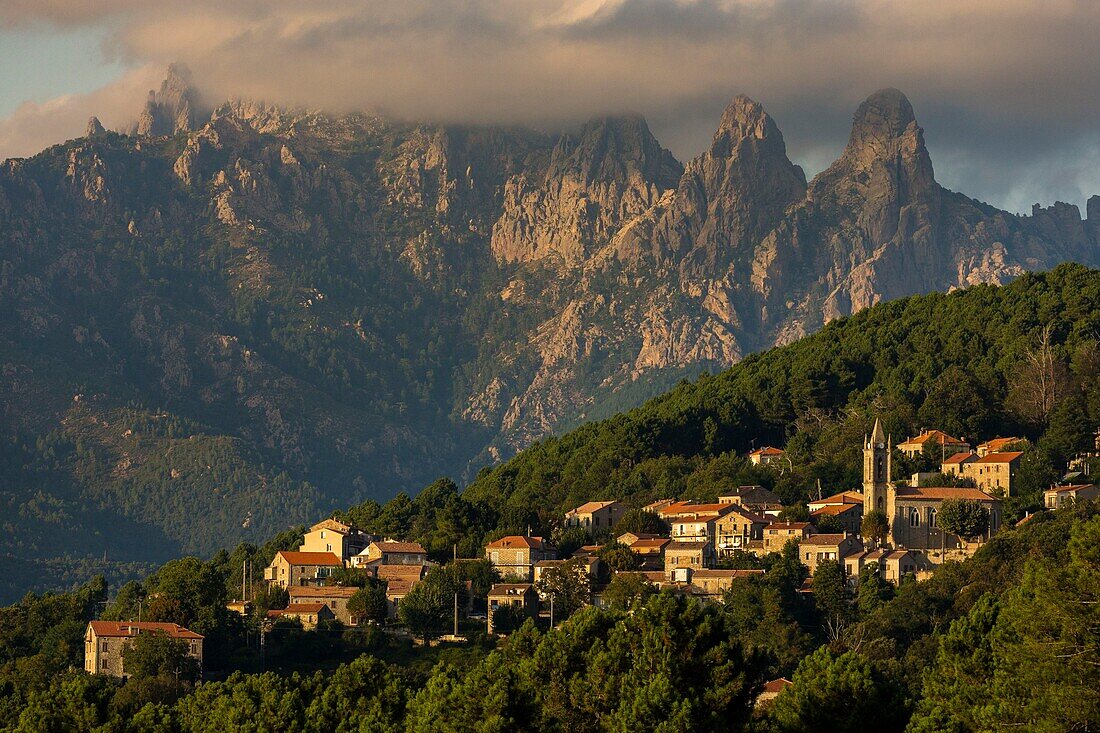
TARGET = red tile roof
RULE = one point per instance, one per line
(777, 686)
(133, 628)
(993, 446)
(766, 451)
(960, 457)
(937, 437)
(1000, 457)
(514, 542)
(295, 608)
(778, 526)
(835, 510)
(310, 558)
(334, 525)
(591, 506)
(827, 540)
(844, 497)
(1074, 488)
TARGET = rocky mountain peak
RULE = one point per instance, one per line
(614, 149)
(172, 109)
(884, 115)
(743, 118)
(94, 127)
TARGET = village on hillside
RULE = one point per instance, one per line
(899, 530)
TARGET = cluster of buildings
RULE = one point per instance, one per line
(685, 558)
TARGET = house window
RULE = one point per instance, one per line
(932, 518)
(914, 518)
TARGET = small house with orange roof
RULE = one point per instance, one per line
(841, 499)
(778, 534)
(765, 456)
(301, 568)
(994, 472)
(955, 464)
(595, 516)
(515, 556)
(1059, 496)
(997, 445)
(105, 641)
(308, 614)
(848, 516)
(933, 438)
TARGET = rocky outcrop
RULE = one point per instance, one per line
(613, 171)
(95, 127)
(172, 109)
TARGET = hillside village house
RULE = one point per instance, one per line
(655, 507)
(818, 547)
(104, 642)
(848, 516)
(695, 555)
(650, 550)
(515, 556)
(307, 614)
(334, 536)
(334, 597)
(844, 498)
(301, 568)
(938, 439)
(520, 595)
(595, 516)
(736, 528)
(756, 499)
(389, 552)
(778, 534)
(712, 584)
(765, 456)
(955, 464)
(997, 445)
(592, 565)
(1059, 496)
(891, 565)
(993, 472)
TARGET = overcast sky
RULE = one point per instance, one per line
(1008, 92)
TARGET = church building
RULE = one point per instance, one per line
(912, 510)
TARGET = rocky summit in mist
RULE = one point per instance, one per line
(229, 321)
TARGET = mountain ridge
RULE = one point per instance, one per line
(345, 307)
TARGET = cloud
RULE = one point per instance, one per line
(1008, 91)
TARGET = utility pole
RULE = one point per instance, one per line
(551, 611)
(244, 580)
(456, 615)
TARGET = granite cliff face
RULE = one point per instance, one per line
(352, 306)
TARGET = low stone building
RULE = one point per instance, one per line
(819, 547)
(736, 528)
(993, 473)
(334, 597)
(693, 555)
(778, 534)
(105, 641)
(848, 517)
(892, 565)
(1059, 496)
(937, 439)
(516, 595)
(515, 556)
(650, 550)
(308, 614)
(765, 456)
(390, 552)
(955, 464)
(301, 568)
(756, 499)
(712, 584)
(596, 516)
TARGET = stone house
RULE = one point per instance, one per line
(521, 595)
(736, 528)
(104, 642)
(308, 614)
(849, 516)
(389, 552)
(515, 556)
(765, 456)
(695, 555)
(756, 499)
(693, 522)
(844, 498)
(331, 535)
(334, 597)
(301, 568)
(711, 584)
(1058, 496)
(650, 550)
(771, 691)
(993, 473)
(955, 464)
(819, 547)
(997, 445)
(778, 534)
(892, 564)
(937, 438)
(596, 516)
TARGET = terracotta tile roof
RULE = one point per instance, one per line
(777, 686)
(509, 589)
(295, 608)
(827, 540)
(334, 525)
(995, 445)
(406, 547)
(766, 451)
(835, 510)
(1072, 487)
(706, 573)
(400, 586)
(1000, 457)
(682, 545)
(591, 506)
(328, 591)
(648, 545)
(778, 526)
(686, 508)
(389, 572)
(960, 457)
(844, 497)
(514, 542)
(936, 437)
(310, 558)
(133, 628)
(929, 493)
(654, 505)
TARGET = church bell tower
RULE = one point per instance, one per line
(876, 473)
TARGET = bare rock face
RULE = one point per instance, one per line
(615, 170)
(172, 109)
(94, 127)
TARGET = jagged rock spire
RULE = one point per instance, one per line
(94, 127)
